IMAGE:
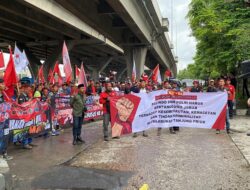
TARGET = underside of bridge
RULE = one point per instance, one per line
(98, 33)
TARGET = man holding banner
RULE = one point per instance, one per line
(77, 102)
(222, 88)
(105, 100)
(5, 136)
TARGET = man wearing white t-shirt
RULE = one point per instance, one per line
(142, 90)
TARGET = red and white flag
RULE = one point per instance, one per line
(57, 74)
(41, 75)
(20, 60)
(156, 75)
(1, 60)
(77, 70)
(50, 76)
(66, 63)
(10, 76)
(82, 77)
(133, 72)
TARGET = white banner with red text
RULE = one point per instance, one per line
(164, 109)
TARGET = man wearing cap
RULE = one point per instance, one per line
(105, 100)
(196, 87)
(77, 102)
(211, 87)
(5, 139)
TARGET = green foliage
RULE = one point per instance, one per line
(222, 31)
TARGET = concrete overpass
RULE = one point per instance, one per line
(104, 34)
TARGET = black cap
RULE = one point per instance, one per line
(1, 81)
(80, 85)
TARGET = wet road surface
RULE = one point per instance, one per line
(192, 159)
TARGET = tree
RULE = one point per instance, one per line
(222, 31)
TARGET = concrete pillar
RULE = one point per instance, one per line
(162, 72)
(104, 65)
(138, 55)
(95, 74)
(50, 61)
(122, 74)
(129, 61)
(140, 58)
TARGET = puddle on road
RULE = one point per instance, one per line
(66, 177)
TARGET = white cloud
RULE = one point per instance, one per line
(186, 45)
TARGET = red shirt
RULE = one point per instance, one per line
(231, 89)
(103, 99)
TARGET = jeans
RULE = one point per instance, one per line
(227, 120)
(77, 126)
(230, 107)
(106, 120)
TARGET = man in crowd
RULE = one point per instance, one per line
(38, 92)
(221, 88)
(211, 86)
(5, 139)
(196, 87)
(52, 96)
(22, 98)
(105, 100)
(142, 89)
(91, 90)
(65, 90)
(166, 86)
(77, 103)
(231, 97)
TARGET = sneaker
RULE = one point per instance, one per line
(145, 134)
(135, 135)
(7, 157)
(27, 146)
(229, 132)
(116, 137)
(217, 131)
(106, 139)
(55, 133)
(79, 139)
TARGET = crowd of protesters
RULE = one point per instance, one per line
(47, 93)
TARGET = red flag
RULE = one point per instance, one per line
(77, 71)
(41, 75)
(57, 74)
(82, 77)
(156, 76)
(10, 77)
(66, 63)
(1, 60)
(168, 73)
(133, 78)
(50, 76)
(144, 77)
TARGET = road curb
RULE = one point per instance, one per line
(247, 160)
(4, 170)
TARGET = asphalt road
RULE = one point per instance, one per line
(192, 159)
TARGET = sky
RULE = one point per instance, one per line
(186, 45)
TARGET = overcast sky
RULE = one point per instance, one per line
(185, 43)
